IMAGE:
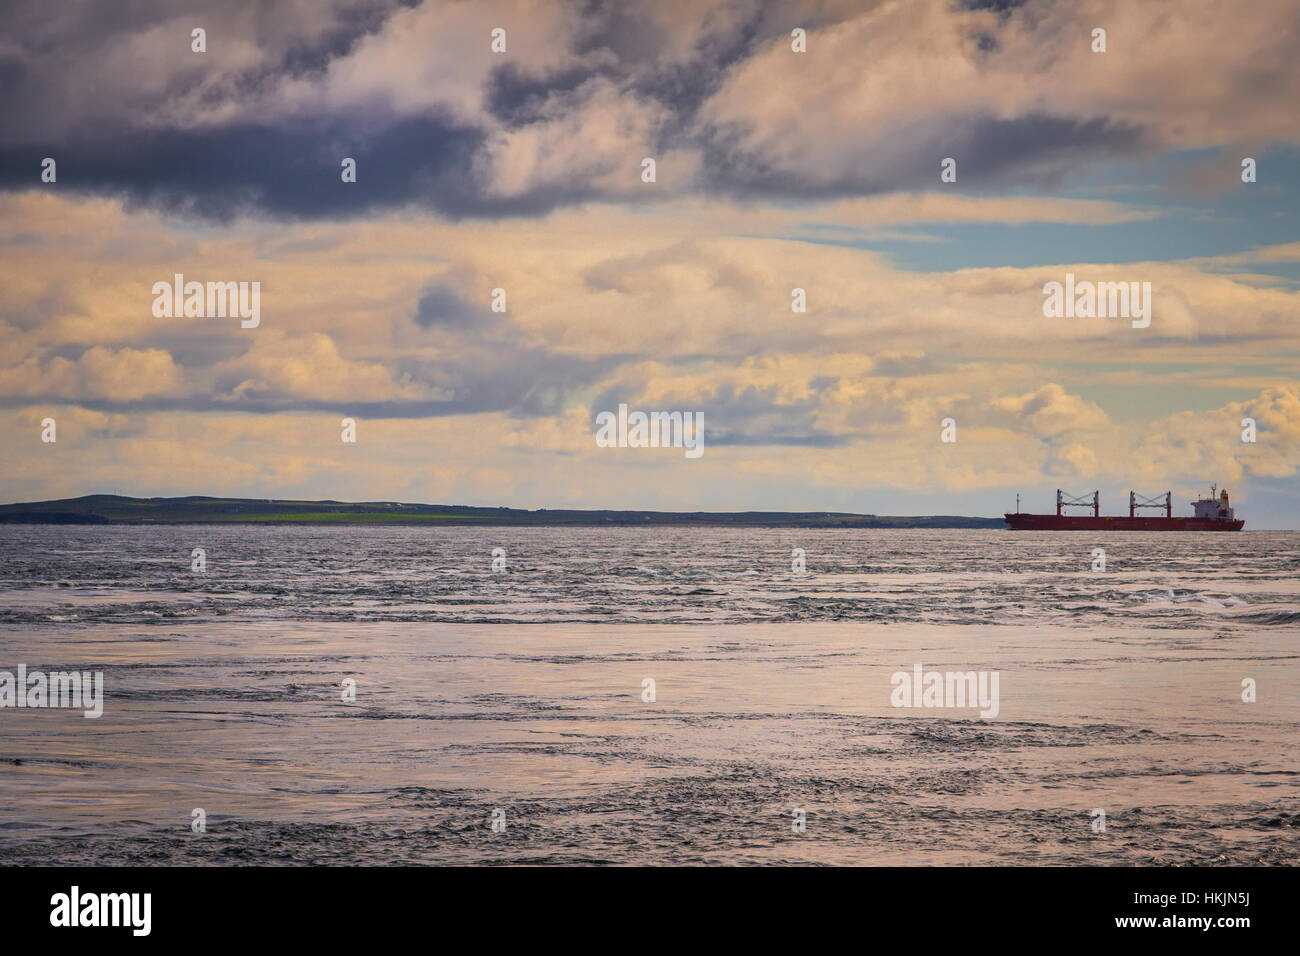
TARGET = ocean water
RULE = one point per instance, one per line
(521, 696)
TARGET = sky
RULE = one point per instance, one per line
(774, 169)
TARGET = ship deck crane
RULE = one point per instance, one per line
(1165, 501)
(1082, 501)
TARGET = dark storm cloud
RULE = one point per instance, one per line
(1033, 150)
(637, 44)
(340, 37)
(111, 142)
(1038, 149)
(56, 47)
(283, 171)
(442, 307)
(996, 6)
(517, 98)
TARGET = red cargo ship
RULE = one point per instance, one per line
(1208, 514)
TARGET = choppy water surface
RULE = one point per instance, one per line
(522, 691)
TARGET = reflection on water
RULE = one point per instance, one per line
(223, 691)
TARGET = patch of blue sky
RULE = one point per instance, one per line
(1187, 216)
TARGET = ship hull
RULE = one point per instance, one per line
(1025, 522)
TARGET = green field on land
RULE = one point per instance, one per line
(118, 509)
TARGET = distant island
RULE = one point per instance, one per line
(117, 509)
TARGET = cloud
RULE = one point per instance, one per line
(311, 368)
(259, 124)
(776, 171)
(442, 307)
(1016, 96)
(1050, 412)
(583, 145)
(91, 71)
(126, 374)
(391, 316)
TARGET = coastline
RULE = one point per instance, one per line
(122, 510)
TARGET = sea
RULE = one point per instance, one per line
(278, 694)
